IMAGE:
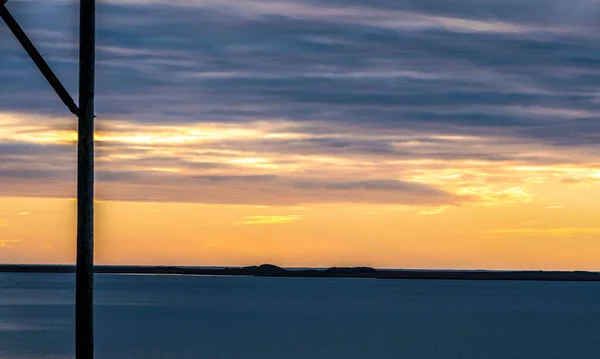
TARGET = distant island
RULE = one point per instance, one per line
(270, 270)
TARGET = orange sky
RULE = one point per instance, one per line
(506, 217)
(40, 230)
(400, 134)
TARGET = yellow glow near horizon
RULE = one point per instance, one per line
(269, 219)
(189, 234)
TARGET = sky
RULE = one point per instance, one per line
(392, 133)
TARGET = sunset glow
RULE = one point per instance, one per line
(302, 134)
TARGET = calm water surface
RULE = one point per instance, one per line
(163, 317)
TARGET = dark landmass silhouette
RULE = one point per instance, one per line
(263, 268)
(269, 270)
(345, 270)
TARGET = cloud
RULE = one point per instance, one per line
(273, 101)
(27, 174)
(243, 58)
(308, 163)
(277, 191)
(371, 185)
(5, 243)
(243, 179)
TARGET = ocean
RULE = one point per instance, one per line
(178, 317)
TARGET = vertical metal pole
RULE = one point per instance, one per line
(84, 316)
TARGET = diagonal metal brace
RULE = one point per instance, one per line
(38, 59)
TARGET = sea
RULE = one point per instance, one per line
(178, 317)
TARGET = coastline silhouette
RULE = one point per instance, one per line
(270, 270)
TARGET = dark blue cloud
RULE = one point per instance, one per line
(522, 71)
(184, 62)
(239, 179)
(148, 55)
(27, 149)
(373, 185)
